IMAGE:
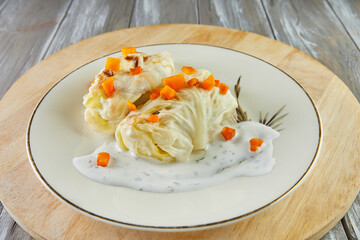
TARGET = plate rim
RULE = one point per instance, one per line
(173, 228)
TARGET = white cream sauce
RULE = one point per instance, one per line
(223, 161)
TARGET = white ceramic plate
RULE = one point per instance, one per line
(57, 133)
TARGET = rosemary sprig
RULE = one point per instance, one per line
(241, 114)
(274, 119)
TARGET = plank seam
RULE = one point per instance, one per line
(3, 5)
(267, 17)
(342, 24)
(132, 13)
(348, 229)
(198, 11)
(56, 30)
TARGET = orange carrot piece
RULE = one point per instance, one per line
(176, 82)
(153, 118)
(128, 50)
(228, 133)
(254, 148)
(223, 88)
(108, 86)
(112, 64)
(92, 83)
(136, 70)
(193, 82)
(131, 106)
(188, 70)
(208, 83)
(255, 143)
(217, 83)
(103, 159)
(154, 94)
(168, 93)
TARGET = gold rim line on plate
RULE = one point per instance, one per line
(190, 227)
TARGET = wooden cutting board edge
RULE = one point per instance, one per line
(195, 34)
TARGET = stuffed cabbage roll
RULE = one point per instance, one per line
(137, 74)
(186, 124)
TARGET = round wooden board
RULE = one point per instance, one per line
(311, 211)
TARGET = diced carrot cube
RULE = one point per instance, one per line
(193, 82)
(188, 70)
(103, 159)
(112, 64)
(108, 86)
(128, 50)
(217, 83)
(154, 94)
(168, 93)
(228, 133)
(256, 142)
(223, 88)
(176, 82)
(131, 106)
(136, 70)
(208, 83)
(153, 118)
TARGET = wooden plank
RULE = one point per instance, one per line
(337, 233)
(244, 15)
(112, 16)
(312, 27)
(351, 221)
(348, 11)
(148, 12)
(250, 17)
(91, 18)
(320, 41)
(24, 34)
(9, 229)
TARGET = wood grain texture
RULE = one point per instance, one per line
(93, 18)
(296, 28)
(337, 233)
(351, 220)
(244, 15)
(2, 4)
(348, 11)
(9, 229)
(296, 23)
(147, 12)
(23, 38)
(309, 218)
(342, 7)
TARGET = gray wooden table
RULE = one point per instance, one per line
(328, 30)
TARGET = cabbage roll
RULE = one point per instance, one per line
(103, 113)
(187, 123)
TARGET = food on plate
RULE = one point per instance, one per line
(228, 133)
(187, 133)
(255, 143)
(223, 161)
(129, 78)
(102, 159)
(181, 120)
